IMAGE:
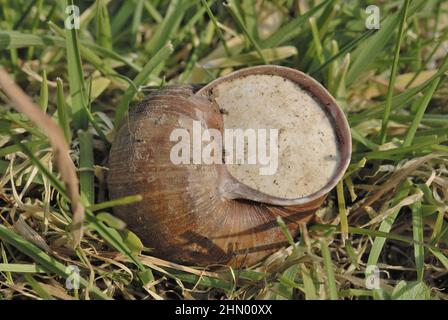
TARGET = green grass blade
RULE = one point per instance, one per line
(63, 115)
(424, 102)
(86, 170)
(342, 210)
(399, 100)
(103, 29)
(218, 30)
(366, 53)
(112, 237)
(364, 141)
(293, 28)
(342, 52)
(351, 253)
(76, 78)
(139, 80)
(168, 27)
(286, 232)
(17, 40)
(34, 26)
(315, 50)
(252, 57)
(153, 11)
(7, 19)
(371, 233)
(232, 8)
(13, 39)
(43, 97)
(401, 151)
(308, 284)
(25, 14)
(386, 225)
(137, 18)
(21, 268)
(44, 260)
(248, 7)
(94, 59)
(115, 202)
(15, 147)
(331, 282)
(38, 288)
(419, 250)
(98, 225)
(287, 283)
(200, 280)
(439, 255)
(55, 182)
(121, 17)
(393, 73)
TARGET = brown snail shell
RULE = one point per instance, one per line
(200, 214)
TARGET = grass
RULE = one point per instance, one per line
(390, 209)
(393, 72)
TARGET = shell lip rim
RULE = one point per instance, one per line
(341, 126)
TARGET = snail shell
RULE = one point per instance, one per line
(200, 214)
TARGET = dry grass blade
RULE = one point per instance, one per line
(405, 202)
(397, 178)
(61, 151)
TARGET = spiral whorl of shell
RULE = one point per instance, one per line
(184, 215)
